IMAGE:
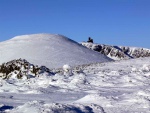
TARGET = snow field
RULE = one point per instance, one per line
(114, 87)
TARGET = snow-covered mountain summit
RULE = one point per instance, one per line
(42, 36)
(51, 50)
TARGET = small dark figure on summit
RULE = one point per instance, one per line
(90, 40)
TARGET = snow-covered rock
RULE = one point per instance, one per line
(118, 52)
(21, 69)
(67, 70)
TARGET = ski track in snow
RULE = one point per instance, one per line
(113, 87)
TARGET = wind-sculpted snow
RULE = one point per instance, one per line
(52, 51)
(41, 107)
(114, 87)
(118, 52)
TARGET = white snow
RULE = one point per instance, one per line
(95, 87)
(49, 50)
(113, 87)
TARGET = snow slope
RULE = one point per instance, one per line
(118, 52)
(113, 87)
(47, 49)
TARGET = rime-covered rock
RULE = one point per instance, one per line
(118, 52)
(20, 68)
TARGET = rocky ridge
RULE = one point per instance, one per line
(118, 52)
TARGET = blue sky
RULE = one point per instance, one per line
(115, 22)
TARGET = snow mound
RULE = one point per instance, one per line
(50, 50)
(40, 107)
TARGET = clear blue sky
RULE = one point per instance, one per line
(115, 22)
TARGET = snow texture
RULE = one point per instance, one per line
(49, 50)
(78, 83)
(113, 87)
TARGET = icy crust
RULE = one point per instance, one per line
(52, 51)
(118, 52)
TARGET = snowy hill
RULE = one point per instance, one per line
(49, 50)
(110, 87)
(118, 52)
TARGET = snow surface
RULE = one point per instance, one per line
(112, 87)
(83, 84)
(49, 50)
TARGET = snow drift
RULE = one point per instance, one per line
(49, 50)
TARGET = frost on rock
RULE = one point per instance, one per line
(69, 77)
(118, 52)
(20, 76)
(146, 68)
(21, 69)
(67, 70)
(78, 79)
